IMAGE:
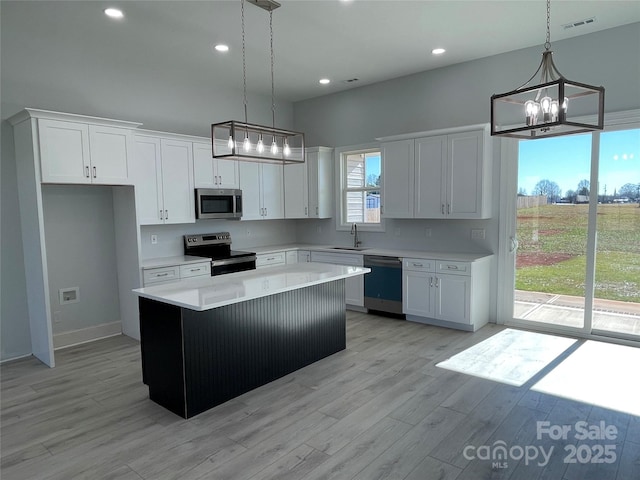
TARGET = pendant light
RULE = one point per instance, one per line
(550, 108)
(245, 141)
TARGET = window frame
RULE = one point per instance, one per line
(340, 159)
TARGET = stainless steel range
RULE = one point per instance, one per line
(217, 246)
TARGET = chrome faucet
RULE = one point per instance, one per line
(354, 232)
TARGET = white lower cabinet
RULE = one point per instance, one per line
(446, 293)
(270, 259)
(304, 256)
(292, 256)
(173, 273)
(354, 286)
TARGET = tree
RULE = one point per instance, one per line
(630, 190)
(570, 195)
(373, 180)
(583, 187)
(548, 188)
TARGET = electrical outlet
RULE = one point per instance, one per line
(56, 317)
(427, 232)
(248, 232)
(154, 239)
(477, 233)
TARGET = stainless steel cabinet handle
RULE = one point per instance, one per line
(448, 208)
(452, 267)
(195, 269)
(166, 214)
(437, 282)
(162, 274)
(418, 265)
(316, 210)
(431, 281)
(443, 208)
(306, 210)
(161, 217)
(219, 179)
(94, 172)
(87, 171)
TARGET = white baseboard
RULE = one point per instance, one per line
(83, 335)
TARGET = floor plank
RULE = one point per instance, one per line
(379, 409)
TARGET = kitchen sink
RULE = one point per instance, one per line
(349, 248)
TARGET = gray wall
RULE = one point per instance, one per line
(80, 238)
(78, 82)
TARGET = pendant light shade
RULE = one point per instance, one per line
(555, 106)
(246, 141)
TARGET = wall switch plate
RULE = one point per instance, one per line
(154, 239)
(57, 317)
(477, 233)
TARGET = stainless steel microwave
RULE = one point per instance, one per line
(218, 203)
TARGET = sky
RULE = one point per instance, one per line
(566, 161)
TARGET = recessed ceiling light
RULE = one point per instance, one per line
(113, 13)
(221, 47)
(438, 51)
(325, 81)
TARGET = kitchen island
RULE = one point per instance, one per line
(207, 340)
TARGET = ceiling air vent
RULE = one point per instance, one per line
(579, 23)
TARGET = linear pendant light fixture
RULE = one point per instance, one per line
(550, 108)
(257, 143)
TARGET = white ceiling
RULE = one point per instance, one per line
(365, 39)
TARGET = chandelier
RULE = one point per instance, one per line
(553, 107)
(257, 143)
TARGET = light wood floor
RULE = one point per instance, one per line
(380, 409)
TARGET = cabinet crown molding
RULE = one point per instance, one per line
(432, 133)
(28, 113)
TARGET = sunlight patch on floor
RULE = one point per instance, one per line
(600, 374)
(511, 356)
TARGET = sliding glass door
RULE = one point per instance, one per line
(574, 253)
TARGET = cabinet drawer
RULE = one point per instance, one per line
(454, 268)
(419, 265)
(195, 269)
(164, 274)
(270, 259)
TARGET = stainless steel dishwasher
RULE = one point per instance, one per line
(383, 286)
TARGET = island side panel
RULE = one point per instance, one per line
(233, 349)
(162, 354)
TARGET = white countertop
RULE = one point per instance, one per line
(205, 293)
(385, 252)
(170, 261)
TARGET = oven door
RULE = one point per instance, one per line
(223, 203)
(231, 265)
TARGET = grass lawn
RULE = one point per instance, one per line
(552, 250)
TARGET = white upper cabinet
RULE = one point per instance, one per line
(164, 180)
(262, 186)
(213, 173)
(397, 180)
(439, 176)
(308, 187)
(75, 152)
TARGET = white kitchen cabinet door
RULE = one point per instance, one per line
(320, 182)
(418, 293)
(213, 173)
(465, 175)
(453, 298)
(398, 179)
(147, 176)
(227, 173)
(273, 190)
(64, 151)
(177, 181)
(111, 152)
(296, 190)
(203, 168)
(430, 174)
(304, 256)
(292, 256)
(250, 185)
